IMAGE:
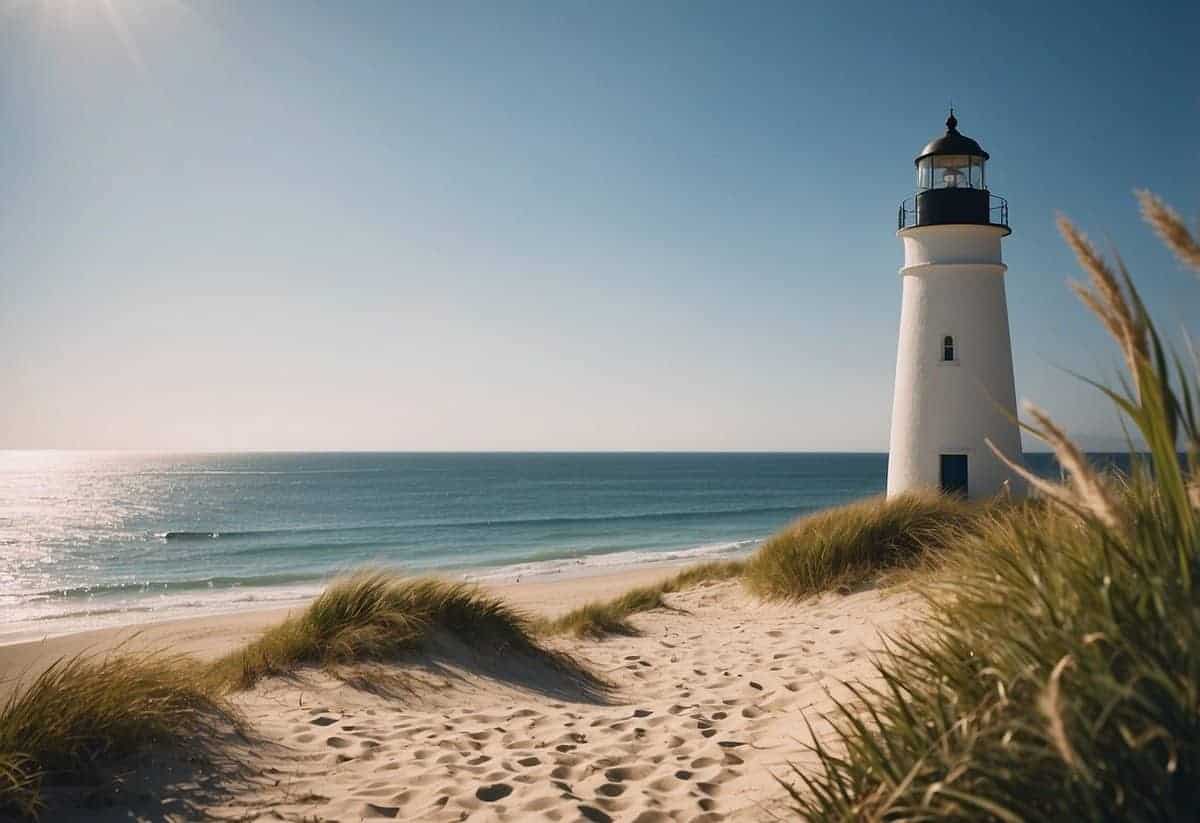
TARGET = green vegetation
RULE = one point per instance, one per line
(1058, 674)
(849, 545)
(372, 615)
(843, 546)
(608, 617)
(80, 712)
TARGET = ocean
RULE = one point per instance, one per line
(89, 540)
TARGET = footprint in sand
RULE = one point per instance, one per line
(623, 773)
(375, 810)
(593, 814)
(494, 792)
(663, 785)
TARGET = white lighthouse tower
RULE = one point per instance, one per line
(954, 372)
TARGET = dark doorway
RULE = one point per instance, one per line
(954, 474)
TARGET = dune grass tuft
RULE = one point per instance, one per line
(850, 544)
(840, 546)
(371, 615)
(1057, 676)
(608, 617)
(81, 712)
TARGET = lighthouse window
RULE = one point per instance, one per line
(951, 172)
(977, 181)
(948, 349)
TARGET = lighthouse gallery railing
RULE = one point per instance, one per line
(909, 216)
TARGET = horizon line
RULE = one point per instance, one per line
(20, 449)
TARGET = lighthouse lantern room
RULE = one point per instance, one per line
(954, 372)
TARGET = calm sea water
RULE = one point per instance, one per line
(97, 539)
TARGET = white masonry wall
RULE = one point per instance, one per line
(953, 284)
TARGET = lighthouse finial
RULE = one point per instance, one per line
(951, 121)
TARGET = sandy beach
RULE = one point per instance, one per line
(706, 708)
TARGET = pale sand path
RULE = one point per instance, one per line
(710, 704)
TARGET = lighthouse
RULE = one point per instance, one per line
(954, 371)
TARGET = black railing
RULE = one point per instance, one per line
(913, 213)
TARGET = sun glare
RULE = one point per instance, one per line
(117, 19)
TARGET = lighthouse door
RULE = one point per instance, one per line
(954, 474)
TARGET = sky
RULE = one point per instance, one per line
(545, 226)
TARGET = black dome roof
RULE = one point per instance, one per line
(952, 142)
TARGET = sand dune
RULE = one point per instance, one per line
(707, 707)
(701, 712)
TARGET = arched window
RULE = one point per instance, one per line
(948, 349)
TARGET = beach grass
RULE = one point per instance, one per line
(1057, 675)
(81, 712)
(848, 545)
(842, 546)
(373, 615)
(611, 617)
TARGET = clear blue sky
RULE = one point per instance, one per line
(546, 226)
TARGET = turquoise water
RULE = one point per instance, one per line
(97, 539)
